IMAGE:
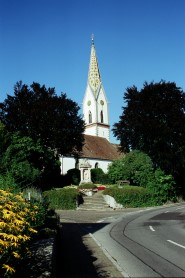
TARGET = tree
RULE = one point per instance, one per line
(28, 162)
(153, 121)
(135, 166)
(39, 113)
(4, 139)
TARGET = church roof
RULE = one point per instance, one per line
(99, 148)
(94, 78)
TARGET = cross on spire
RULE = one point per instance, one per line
(92, 38)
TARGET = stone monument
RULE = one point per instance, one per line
(85, 172)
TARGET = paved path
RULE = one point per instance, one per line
(80, 256)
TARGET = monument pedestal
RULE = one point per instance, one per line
(85, 172)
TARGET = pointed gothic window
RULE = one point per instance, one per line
(90, 117)
(101, 116)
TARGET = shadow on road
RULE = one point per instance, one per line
(74, 258)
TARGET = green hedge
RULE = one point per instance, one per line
(131, 196)
(87, 186)
(62, 198)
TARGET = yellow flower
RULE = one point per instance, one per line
(26, 210)
(9, 206)
(2, 224)
(14, 244)
(32, 230)
(19, 198)
(8, 214)
(24, 237)
(18, 222)
(16, 255)
(4, 235)
(8, 268)
(4, 243)
(22, 213)
(13, 238)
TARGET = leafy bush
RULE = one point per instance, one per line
(7, 182)
(17, 217)
(98, 176)
(22, 158)
(131, 196)
(32, 194)
(35, 198)
(163, 187)
(136, 166)
(62, 198)
(115, 170)
(27, 161)
(73, 176)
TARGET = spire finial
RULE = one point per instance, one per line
(92, 38)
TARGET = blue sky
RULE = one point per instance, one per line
(49, 42)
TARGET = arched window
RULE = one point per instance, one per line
(96, 165)
(90, 117)
(101, 116)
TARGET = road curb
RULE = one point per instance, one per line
(124, 273)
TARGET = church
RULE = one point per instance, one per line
(97, 148)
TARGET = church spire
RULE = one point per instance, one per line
(95, 103)
(94, 78)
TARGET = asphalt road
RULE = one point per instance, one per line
(79, 254)
(148, 243)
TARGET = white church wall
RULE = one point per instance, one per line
(68, 163)
(103, 164)
(89, 104)
(104, 132)
(92, 130)
(102, 106)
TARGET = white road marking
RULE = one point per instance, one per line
(175, 243)
(151, 228)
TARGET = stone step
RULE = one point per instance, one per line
(90, 202)
(94, 209)
(93, 206)
(94, 202)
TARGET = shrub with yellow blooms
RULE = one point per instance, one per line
(17, 217)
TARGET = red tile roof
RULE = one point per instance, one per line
(99, 147)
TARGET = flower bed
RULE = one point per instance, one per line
(87, 189)
(101, 187)
(17, 218)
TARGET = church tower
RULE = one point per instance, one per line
(95, 104)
